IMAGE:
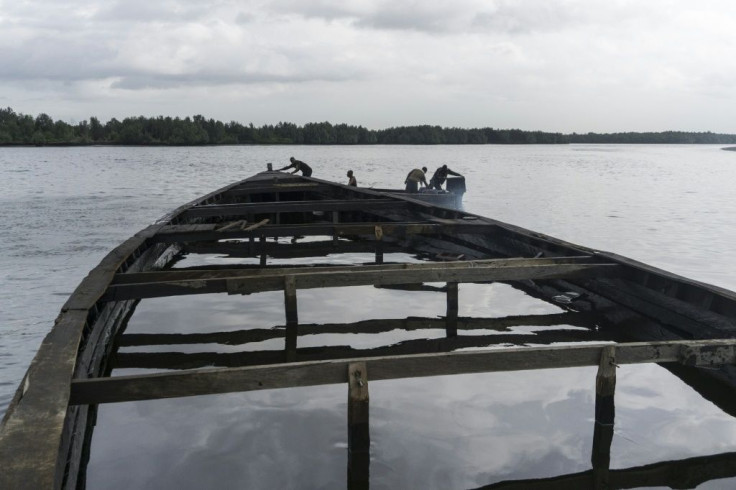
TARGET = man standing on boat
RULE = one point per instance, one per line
(414, 178)
(351, 179)
(298, 165)
(440, 176)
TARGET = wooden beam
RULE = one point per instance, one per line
(211, 381)
(292, 318)
(359, 439)
(198, 274)
(33, 427)
(272, 280)
(264, 253)
(194, 360)
(251, 189)
(684, 473)
(605, 387)
(318, 205)
(452, 309)
(288, 250)
(208, 232)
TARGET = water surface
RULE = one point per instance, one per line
(63, 209)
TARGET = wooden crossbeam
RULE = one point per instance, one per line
(180, 360)
(292, 207)
(212, 381)
(273, 280)
(208, 232)
(288, 250)
(250, 189)
(233, 272)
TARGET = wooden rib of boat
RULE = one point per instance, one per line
(644, 315)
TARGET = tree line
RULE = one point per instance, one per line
(22, 129)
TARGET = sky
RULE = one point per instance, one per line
(552, 65)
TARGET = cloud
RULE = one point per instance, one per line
(417, 61)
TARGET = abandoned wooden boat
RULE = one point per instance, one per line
(643, 315)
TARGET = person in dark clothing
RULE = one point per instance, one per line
(298, 165)
(351, 179)
(414, 178)
(440, 176)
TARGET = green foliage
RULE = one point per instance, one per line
(19, 129)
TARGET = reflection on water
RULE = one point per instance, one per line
(444, 432)
(466, 431)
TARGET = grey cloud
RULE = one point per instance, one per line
(406, 19)
(509, 17)
(168, 11)
(46, 58)
(153, 80)
(320, 9)
(392, 16)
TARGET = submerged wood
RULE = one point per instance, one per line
(362, 327)
(49, 422)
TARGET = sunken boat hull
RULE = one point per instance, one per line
(646, 314)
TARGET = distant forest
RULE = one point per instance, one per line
(42, 130)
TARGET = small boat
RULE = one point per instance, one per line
(450, 197)
(286, 233)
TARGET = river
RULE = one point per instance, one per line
(671, 206)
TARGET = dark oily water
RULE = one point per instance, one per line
(670, 206)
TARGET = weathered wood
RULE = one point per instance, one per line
(252, 189)
(317, 205)
(359, 439)
(292, 318)
(288, 250)
(452, 309)
(32, 429)
(194, 233)
(211, 381)
(264, 253)
(255, 226)
(697, 322)
(502, 270)
(605, 388)
(233, 224)
(358, 408)
(92, 287)
(179, 360)
(684, 473)
(230, 271)
(379, 244)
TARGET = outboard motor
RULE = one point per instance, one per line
(456, 185)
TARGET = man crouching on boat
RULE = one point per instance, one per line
(414, 178)
(298, 165)
(440, 176)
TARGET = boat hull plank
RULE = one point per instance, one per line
(35, 462)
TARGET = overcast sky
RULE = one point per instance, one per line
(567, 65)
